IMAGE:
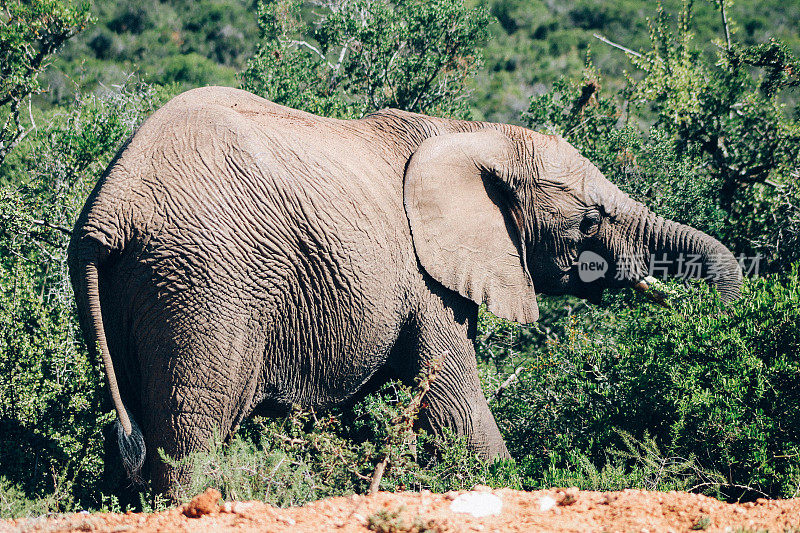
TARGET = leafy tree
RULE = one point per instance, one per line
(722, 149)
(30, 32)
(351, 57)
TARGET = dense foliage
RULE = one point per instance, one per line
(364, 55)
(30, 32)
(712, 388)
(621, 395)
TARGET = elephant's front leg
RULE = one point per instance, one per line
(455, 399)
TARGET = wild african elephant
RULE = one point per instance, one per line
(240, 254)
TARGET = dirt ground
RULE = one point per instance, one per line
(553, 510)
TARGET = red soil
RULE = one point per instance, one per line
(570, 510)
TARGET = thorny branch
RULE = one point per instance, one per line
(314, 49)
(407, 416)
(725, 25)
(508, 382)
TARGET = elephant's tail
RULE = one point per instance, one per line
(129, 436)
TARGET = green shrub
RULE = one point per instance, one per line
(715, 387)
(52, 402)
(15, 503)
(307, 456)
(359, 56)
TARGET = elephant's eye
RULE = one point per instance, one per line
(590, 223)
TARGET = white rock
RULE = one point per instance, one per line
(286, 520)
(478, 504)
(241, 507)
(546, 503)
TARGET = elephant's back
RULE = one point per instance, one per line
(281, 235)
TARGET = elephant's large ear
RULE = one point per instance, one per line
(465, 232)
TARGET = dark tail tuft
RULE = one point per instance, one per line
(132, 450)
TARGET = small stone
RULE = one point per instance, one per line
(477, 504)
(546, 503)
(286, 520)
(452, 495)
(361, 519)
(568, 496)
(607, 498)
(740, 510)
(481, 488)
(762, 501)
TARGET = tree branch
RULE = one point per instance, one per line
(725, 25)
(405, 418)
(62, 229)
(314, 49)
(615, 45)
(507, 383)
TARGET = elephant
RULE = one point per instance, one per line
(239, 256)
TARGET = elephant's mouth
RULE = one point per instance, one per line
(591, 292)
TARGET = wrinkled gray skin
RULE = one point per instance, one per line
(238, 254)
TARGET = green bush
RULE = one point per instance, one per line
(716, 387)
(359, 56)
(52, 402)
(307, 456)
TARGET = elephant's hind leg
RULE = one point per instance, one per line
(193, 392)
(177, 428)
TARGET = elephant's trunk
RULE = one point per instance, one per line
(678, 250)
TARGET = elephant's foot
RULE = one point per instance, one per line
(471, 420)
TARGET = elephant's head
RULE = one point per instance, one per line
(502, 213)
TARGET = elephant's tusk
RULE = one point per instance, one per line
(644, 283)
(654, 296)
